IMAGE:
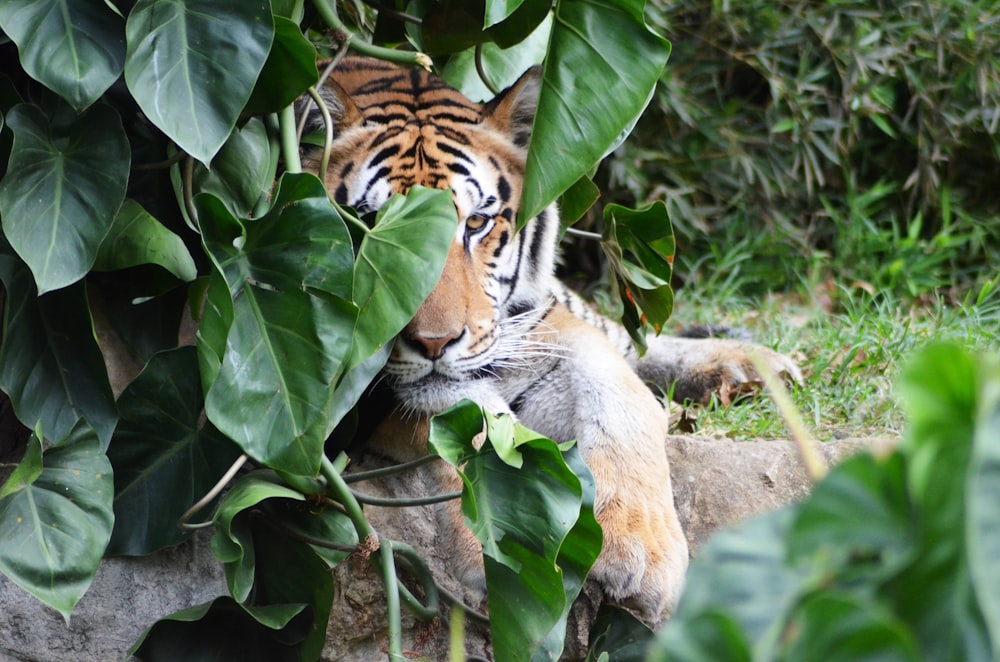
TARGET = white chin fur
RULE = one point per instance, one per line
(435, 394)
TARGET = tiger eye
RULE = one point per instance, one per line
(474, 223)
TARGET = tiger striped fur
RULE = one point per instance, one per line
(500, 329)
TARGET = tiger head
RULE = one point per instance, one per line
(397, 128)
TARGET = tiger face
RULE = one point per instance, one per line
(398, 128)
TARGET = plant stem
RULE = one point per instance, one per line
(327, 10)
(388, 471)
(212, 493)
(339, 490)
(289, 144)
(811, 460)
(324, 161)
(584, 234)
(405, 502)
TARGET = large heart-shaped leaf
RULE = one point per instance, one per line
(600, 71)
(174, 46)
(399, 263)
(50, 363)
(74, 47)
(64, 183)
(163, 460)
(536, 525)
(283, 354)
(137, 238)
(286, 347)
(55, 528)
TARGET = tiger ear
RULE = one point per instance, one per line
(343, 112)
(513, 110)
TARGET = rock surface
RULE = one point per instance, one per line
(716, 482)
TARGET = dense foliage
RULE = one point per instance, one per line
(858, 140)
(151, 172)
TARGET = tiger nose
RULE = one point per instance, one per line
(432, 347)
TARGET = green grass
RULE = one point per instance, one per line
(850, 357)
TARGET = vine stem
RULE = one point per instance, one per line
(584, 234)
(289, 141)
(324, 162)
(339, 489)
(388, 471)
(404, 502)
(207, 499)
(811, 460)
(327, 10)
(481, 70)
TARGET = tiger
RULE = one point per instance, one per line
(500, 328)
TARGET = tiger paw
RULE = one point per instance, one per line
(700, 370)
(645, 556)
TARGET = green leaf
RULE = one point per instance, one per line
(233, 540)
(619, 635)
(50, 363)
(537, 528)
(74, 47)
(28, 469)
(283, 354)
(285, 347)
(577, 200)
(710, 635)
(503, 66)
(639, 245)
(743, 571)
(137, 238)
(240, 171)
(399, 263)
(581, 117)
(55, 529)
(837, 628)
(225, 630)
(63, 185)
(499, 10)
(983, 498)
(176, 46)
(861, 489)
(164, 461)
(290, 572)
(288, 72)
(326, 524)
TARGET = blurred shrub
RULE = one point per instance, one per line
(859, 137)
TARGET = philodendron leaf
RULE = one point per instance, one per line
(175, 46)
(536, 525)
(503, 66)
(225, 630)
(290, 333)
(50, 363)
(399, 263)
(602, 65)
(836, 627)
(239, 172)
(164, 459)
(55, 528)
(137, 238)
(63, 185)
(74, 47)
(983, 498)
(289, 71)
(232, 543)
